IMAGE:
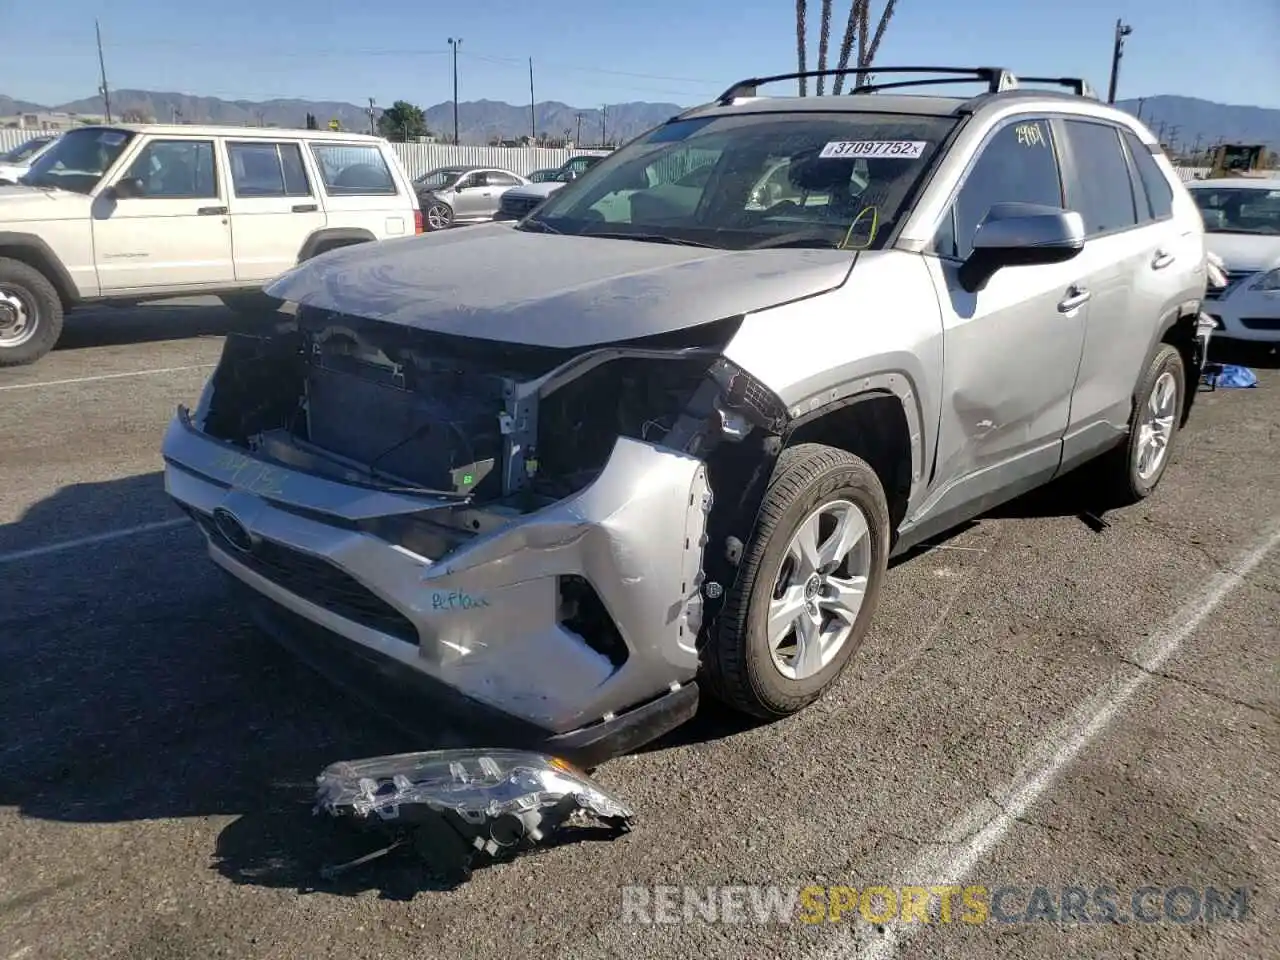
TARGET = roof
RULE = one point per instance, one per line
(1271, 182)
(229, 130)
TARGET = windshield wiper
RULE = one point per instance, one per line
(537, 226)
(648, 238)
(798, 238)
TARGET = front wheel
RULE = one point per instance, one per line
(807, 587)
(30, 314)
(439, 216)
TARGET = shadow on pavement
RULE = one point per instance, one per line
(103, 326)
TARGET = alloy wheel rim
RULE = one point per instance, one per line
(819, 589)
(1155, 429)
(17, 319)
(437, 217)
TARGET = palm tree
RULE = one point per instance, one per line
(858, 25)
(800, 35)
(823, 37)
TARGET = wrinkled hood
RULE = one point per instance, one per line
(1245, 251)
(19, 203)
(496, 283)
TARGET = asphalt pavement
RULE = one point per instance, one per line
(1045, 702)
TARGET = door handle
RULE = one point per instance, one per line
(305, 208)
(1162, 260)
(212, 211)
(1077, 296)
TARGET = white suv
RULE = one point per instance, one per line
(129, 213)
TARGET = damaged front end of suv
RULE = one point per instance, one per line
(513, 538)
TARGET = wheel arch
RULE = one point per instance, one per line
(331, 238)
(37, 254)
(877, 417)
(1178, 329)
(879, 424)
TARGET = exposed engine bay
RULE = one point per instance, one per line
(371, 402)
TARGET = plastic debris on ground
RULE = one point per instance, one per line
(1228, 375)
(458, 808)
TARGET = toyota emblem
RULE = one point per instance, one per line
(231, 530)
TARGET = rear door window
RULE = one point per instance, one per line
(353, 170)
(267, 170)
(1100, 188)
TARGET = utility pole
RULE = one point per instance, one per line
(604, 112)
(102, 68)
(1195, 151)
(1122, 31)
(577, 141)
(455, 42)
(533, 116)
(1141, 101)
(373, 130)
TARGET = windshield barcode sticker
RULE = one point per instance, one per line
(906, 149)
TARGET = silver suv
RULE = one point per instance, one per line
(666, 432)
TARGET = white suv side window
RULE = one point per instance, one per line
(349, 170)
(176, 170)
(263, 169)
(1019, 164)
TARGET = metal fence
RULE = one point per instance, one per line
(418, 158)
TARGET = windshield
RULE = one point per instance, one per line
(837, 180)
(24, 150)
(1239, 210)
(78, 160)
(444, 177)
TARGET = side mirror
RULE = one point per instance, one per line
(129, 188)
(1021, 235)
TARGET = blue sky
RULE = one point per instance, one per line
(608, 51)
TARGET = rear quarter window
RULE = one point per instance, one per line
(1154, 183)
(353, 170)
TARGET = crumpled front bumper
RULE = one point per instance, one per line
(479, 629)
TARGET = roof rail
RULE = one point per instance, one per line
(997, 79)
(1080, 87)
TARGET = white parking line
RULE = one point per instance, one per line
(969, 838)
(97, 538)
(106, 376)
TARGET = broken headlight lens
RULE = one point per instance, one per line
(502, 796)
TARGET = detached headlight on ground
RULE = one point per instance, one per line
(454, 804)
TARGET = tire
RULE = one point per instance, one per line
(437, 216)
(251, 304)
(1121, 471)
(30, 314)
(739, 661)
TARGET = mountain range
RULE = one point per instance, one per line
(1184, 119)
(479, 121)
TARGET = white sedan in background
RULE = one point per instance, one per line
(1242, 226)
(18, 161)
